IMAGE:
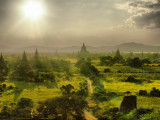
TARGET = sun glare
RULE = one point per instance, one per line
(33, 10)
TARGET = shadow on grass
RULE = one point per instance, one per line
(20, 86)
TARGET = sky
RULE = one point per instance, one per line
(72, 22)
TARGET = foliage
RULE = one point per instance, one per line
(106, 60)
(24, 103)
(107, 70)
(155, 92)
(99, 94)
(61, 66)
(136, 62)
(3, 69)
(88, 69)
(143, 92)
(24, 72)
(118, 58)
(108, 113)
(83, 88)
(67, 90)
(68, 106)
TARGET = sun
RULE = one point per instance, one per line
(33, 10)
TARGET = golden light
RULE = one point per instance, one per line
(33, 10)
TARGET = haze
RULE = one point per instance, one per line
(72, 22)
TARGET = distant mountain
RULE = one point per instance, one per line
(124, 47)
(137, 47)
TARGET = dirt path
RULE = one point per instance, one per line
(90, 87)
(88, 115)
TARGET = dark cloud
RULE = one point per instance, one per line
(149, 20)
(149, 17)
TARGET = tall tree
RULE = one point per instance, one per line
(24, 71)
(118, 58)
(36, 54)
(3, 68)
(37, 64)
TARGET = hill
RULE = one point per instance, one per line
(124, 47)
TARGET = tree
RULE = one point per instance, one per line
(24, 71)
(3, 69)
(118, 58)
(135, 62)
(88, 69)
(146, 61)
(24, 103)
(106, 60)
(37, 64)
(83, 91)
(67, 90)
(131, 55)
(66, 107)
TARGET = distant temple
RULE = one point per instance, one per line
(84, 49)
(83, 52)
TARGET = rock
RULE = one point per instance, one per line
(129, 103)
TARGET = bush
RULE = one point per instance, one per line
(142, 111)
(24, 103)
(4, 86)
(107, 70)
(88, 69)
(10, 87)
(1, 89)
(106, 60)
(100, 94)
(119, 71)
(155, 92)
(111, 94)
(131, 79)
(142, 92)
(128, 92)
(109, 114)
(135, 62)
(63, 107)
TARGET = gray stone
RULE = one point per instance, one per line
(128, 103)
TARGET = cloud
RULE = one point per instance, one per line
(148, 20)
(144, 13)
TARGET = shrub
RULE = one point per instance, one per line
(99, 93)
(119, 71)
(142, 92)
(4, 86)
(135, 62)
(131, 79)
(111, 94)
(107, 70)
(142, 111)
(155, 92)
(128, 92)
(63, 107)
(24, 103)
(88, 69)
(10, 87)
(1, 89)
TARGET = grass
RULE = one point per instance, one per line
(37, 92)
(113, 83)
(132, 87)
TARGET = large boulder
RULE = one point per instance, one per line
(129, 103)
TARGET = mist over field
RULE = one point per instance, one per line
(61, 23)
